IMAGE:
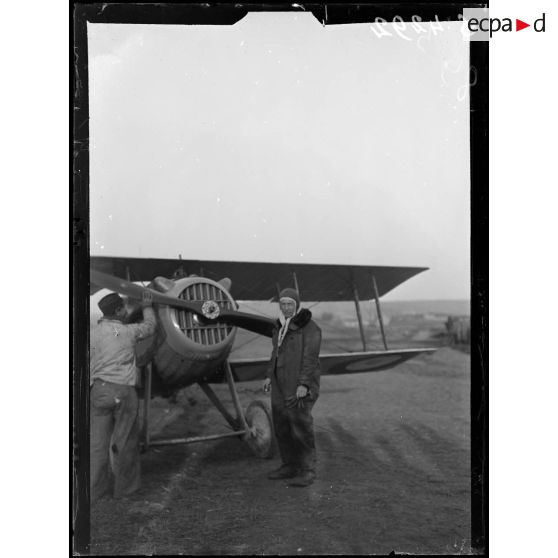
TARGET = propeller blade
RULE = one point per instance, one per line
(132, 290)
(252, 322)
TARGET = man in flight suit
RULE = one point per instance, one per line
(294, 378)
(114, 404)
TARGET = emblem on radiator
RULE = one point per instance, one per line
(210, 309)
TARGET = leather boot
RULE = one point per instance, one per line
(284, 472)
(305, 478)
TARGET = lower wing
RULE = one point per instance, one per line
(245, 370)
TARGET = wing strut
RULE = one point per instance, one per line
(296, 283)
(379, 311)
(357, 305)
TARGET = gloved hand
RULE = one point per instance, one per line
(291, 402)
(297, 400)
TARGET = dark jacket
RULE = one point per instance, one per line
(296, 361)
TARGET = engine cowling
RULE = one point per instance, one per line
(184, 349)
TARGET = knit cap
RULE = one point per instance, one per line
(109, 304)
(292, 294)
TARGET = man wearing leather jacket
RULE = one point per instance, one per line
(294, 378)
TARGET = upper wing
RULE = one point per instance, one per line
(261, 281)
(245, 370)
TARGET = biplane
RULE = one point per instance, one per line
(198, 316)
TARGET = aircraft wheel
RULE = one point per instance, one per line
(261, 438)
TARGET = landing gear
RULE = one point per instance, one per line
(254, 426)
(256, 422)
(260, 437)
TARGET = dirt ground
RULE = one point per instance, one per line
(393, 474)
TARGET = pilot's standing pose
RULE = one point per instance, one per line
(294, 377)
(114, 431)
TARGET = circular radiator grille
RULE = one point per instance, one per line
(189, 324)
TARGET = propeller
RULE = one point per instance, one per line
(209, 311)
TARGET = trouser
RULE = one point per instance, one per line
(114, 439)
(294, 431)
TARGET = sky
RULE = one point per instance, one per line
(278, 139)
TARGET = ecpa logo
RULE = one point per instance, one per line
(480, 27)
